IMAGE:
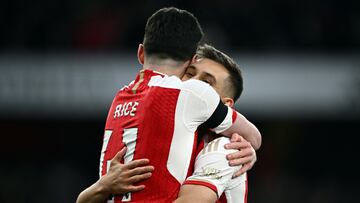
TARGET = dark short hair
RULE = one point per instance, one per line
(235, 80)
(172, 33)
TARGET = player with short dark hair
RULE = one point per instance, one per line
(172, 33)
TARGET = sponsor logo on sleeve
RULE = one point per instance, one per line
(211, 173)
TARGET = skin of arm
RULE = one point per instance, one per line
(196, 193)
(246, 129)
(96, 193)
(120, 179)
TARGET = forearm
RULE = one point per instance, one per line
(96, 193)
(196, 193)
(246, 129)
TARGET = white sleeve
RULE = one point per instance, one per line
(237, 192)
(212, 168)
(201, 104)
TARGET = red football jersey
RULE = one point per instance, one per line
(156, 117)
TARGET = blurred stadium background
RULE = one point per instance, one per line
(61, 62)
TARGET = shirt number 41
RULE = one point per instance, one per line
(129, 139)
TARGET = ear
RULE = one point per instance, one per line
(228, 101)
(140, 54)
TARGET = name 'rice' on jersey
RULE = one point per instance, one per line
(156, 117)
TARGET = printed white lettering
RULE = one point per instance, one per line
(133, 109)
(126, 109)
(117, 111)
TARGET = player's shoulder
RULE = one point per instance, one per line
(195, 84)
(165, 82)
(196, 87)
(199, 88)
(217, 146)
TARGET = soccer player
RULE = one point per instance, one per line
(213, 177)
(156, 115)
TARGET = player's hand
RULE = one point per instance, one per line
(121, 178)
(245, 156)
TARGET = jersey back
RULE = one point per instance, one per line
(150, 117)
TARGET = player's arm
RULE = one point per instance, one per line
(233, 122)
(120, 179)
(196, 193)
(246, 129)
(96, 193)
(212, 175)
(226, 121)
(217, 116)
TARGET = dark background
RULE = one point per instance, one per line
(302, 159)
(323, 25)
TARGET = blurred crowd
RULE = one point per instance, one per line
(113, 25)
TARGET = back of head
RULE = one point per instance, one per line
(234, 83)
(171, 33)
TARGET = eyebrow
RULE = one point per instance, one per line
(191, 66)
(207, 75)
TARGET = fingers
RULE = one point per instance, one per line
(240, 154)
(236, 138)
(241, 161)
(120, 155)
(137, 178)
(140, 170)
(237, 142)
(137, 163)
(245, 168)
(135, 188)
(237, 145)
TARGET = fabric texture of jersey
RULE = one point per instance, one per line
(213, 171)
(156, 117)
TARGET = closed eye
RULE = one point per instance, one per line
(208, 82)
(189, 75)
(190, 72)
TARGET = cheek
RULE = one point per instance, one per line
(218, 90)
